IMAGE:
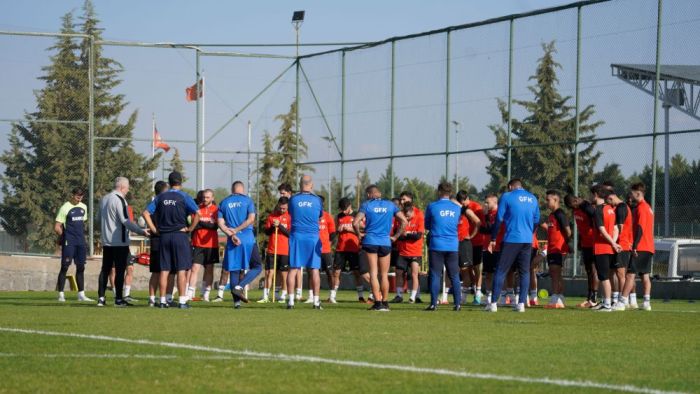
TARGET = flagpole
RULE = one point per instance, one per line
(153, 146)
(204, 118)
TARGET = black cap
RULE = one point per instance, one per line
(175, 178)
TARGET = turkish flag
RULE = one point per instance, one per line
(193, 91)
(158, 141)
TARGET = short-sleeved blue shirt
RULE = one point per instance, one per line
(235, 209)
(171, 209)
(305, 209)
(379, 216)
(442, 220)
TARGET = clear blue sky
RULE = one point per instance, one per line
(154, 80)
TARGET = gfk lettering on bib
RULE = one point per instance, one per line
(446, 213)
(303, 204)
(235, 205)
(380, 210)
(169, 202)
(525, 199)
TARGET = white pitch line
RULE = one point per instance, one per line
(350, 363)
(123, 355)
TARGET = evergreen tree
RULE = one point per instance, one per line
(176, 165)
(266, 187)
(288, 143)
(384, 183)
(113, 157)
(53, 157)
(550, 119)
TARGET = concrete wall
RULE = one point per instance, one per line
(21, 273)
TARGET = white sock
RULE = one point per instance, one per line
(80, 293)
(127, 291)
(399, 292)
(284, 294)
(299, 293)
(152, 298)
(266, 293)
(205, 294)
(606, 302)
(333, 293)
(317, 300)
(290, 301)
(163, 300)
(478, 291)
(311, 293)
(624, 300)
(647, 298)
(413, 295)
(182, 299)
(633, 298)
(616, 296)
(61, 294)
(533, 294)
(220, 291)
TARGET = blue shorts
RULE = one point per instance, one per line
(73, 253)
(379, 250)
(175, 252)
(304, 251)
(241, 257)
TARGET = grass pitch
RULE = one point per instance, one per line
(201, 349)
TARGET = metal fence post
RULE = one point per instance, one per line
(91, 132)
(391, 123)
(342, 124)
(198, 124)
(510, 96)
(447, 107)
(656, 105)
(577, 128)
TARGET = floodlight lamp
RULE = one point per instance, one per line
(298, 17)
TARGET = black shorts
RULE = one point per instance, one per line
(588, 257)
(346, 261)
(175, 252)
(477, 252)
(394, 257)
(282, 262)
(363, 262)
(380, 251)
(602, 265)
(73, 253)
(555, 259)
(466, 253)
(404, 262)
(641, 264)
(621, 260)
(490, 260)
(205, 256)
(326, 261)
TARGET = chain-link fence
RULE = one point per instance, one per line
(459, 103)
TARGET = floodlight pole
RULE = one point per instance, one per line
(198, 124)
(250, 132)
(342, 125)
(656, 104)
(297, 26)
(457, 127)
(447, 108)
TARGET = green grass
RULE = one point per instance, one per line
(654, 350)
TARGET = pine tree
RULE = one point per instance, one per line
(176, 164)
(47, 157)
(551, 119)
(53, 157)
(288, 142)
(384, 183)
(113, 157)
(266, 187)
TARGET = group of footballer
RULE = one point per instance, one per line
(463, 240)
